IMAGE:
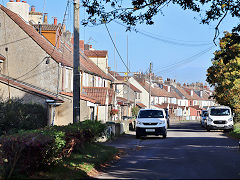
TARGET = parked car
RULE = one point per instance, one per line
(203, 119)
(220, 118)
(151, 122)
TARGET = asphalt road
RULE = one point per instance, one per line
(189, 152)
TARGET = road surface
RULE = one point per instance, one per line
(189, 151)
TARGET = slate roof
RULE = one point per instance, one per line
(155, 91)
(28, 89)
(205, 96)
(182, 93)
(66, 58)
(99, 93)
(194, 96)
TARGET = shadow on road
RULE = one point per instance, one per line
(194, 154)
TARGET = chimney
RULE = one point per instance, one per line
(55, 21)
(169, 88)
(11, 1)
(81, 45)
(32, 8)
(192, 92)
(20, 8)
(201, 94)
(45, 19)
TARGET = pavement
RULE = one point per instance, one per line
(189, 152)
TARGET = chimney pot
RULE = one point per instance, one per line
(55, 21)
(45, 19)
(32, 8)
(11, 1)
(17, 0)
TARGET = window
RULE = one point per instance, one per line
(151, 114)
(220, 112)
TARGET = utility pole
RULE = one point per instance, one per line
(150, 72)
(76, 65)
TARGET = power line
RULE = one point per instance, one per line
(183, 62)
(164, 39)
(116, 48)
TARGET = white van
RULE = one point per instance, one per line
(151, 122)
(220, 118)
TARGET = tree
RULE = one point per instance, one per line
(143, 11)
(224, 74)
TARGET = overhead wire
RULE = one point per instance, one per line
(166, 40)
(116, 48)
(183, 62)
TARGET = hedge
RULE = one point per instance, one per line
(15, 116)
(29, 151)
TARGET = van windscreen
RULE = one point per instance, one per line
(151, 114)
(220, 112)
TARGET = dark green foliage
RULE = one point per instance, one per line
(143, 11)
(15, 116)
(32, 150)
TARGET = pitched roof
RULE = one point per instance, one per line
(141, 105)
(155, 91)
(134, 88)
(46, 27)
(28, 89)
(194, 96)
(113, 73)
(82, 97)
(100, 93)
(95, 53)
(182, 92)
(66, 57)
(163, 106)
(120, 78)
(205, 96)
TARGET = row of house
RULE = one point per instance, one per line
(36, 66)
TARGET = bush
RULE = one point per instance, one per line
(15, 116)
(28, 151)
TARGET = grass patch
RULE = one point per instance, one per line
(82, 163)
(236, 132)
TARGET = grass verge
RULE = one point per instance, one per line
(83, 163)
(236, 132)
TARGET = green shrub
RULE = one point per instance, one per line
(28, 151)
(15, 116)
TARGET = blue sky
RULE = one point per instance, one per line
(168, 52)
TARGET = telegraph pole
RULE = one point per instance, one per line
(76, 64)
(150, 72)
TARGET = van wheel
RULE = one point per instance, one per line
(165, 134)
(208, 129)
(137, 135)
